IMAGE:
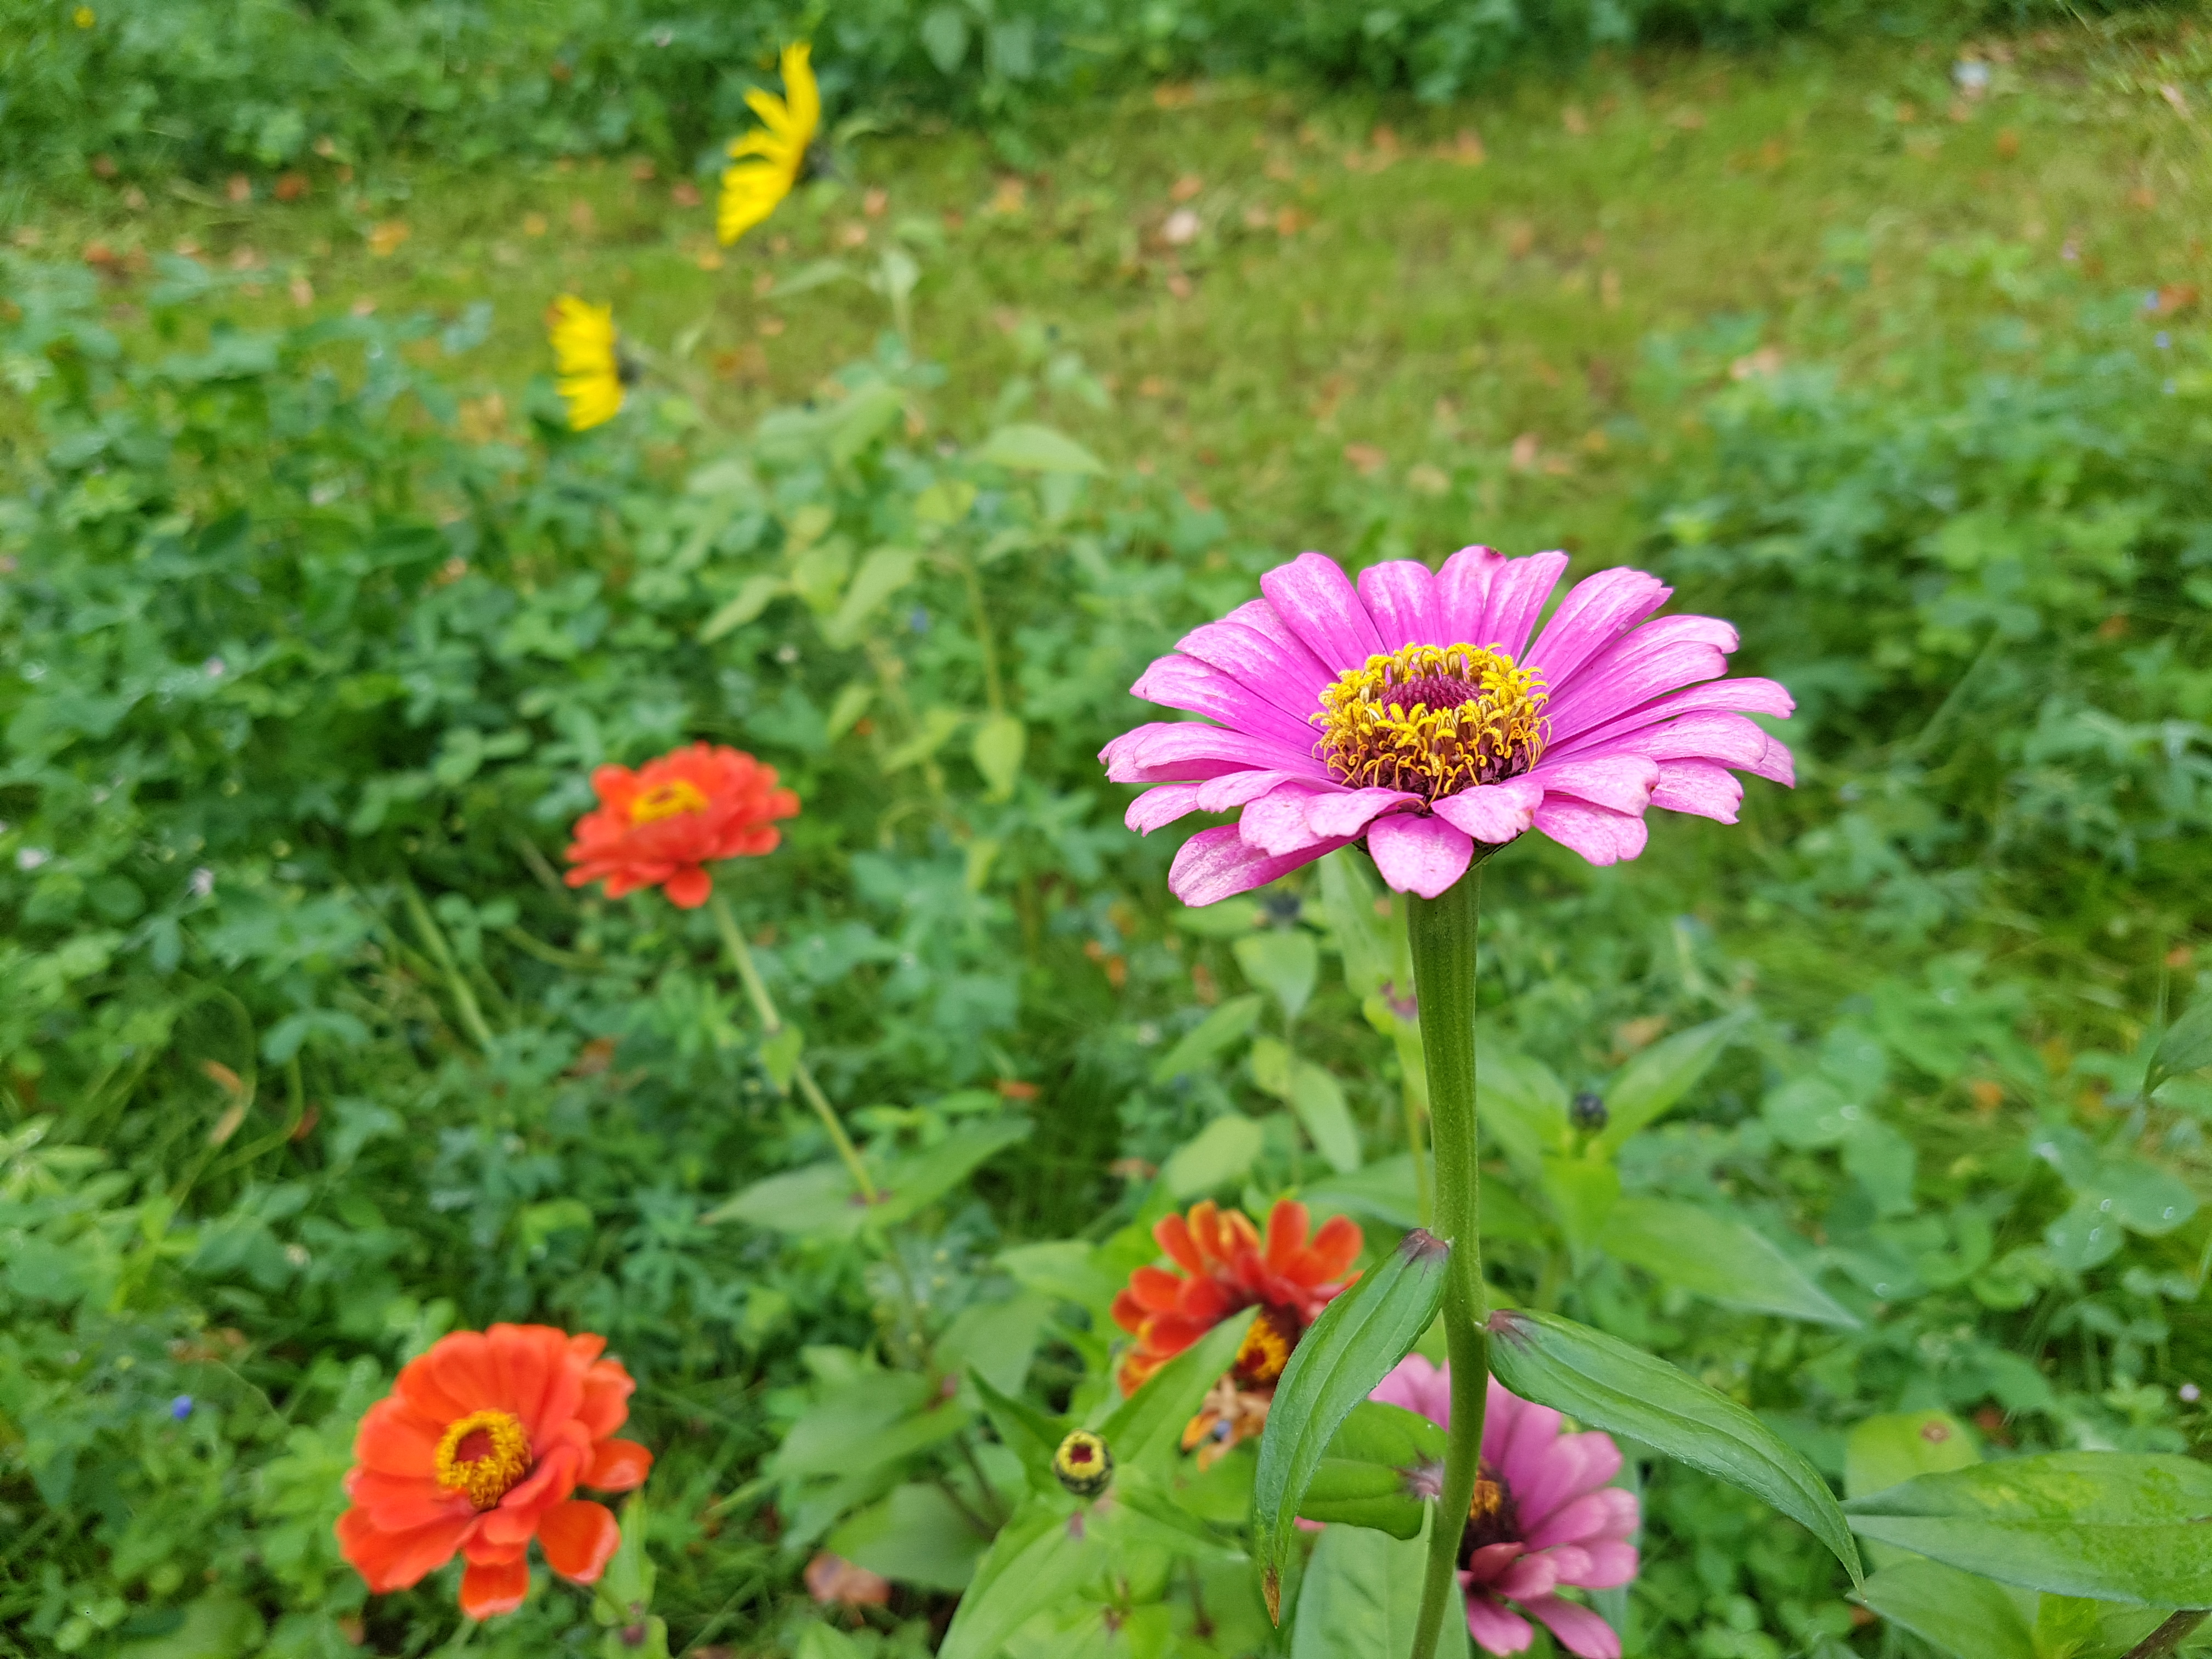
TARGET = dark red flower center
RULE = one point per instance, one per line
(1491, 1518)
(1266, 1348)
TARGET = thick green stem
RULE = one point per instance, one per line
(741, 957)
(1441, 931)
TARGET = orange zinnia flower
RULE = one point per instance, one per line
(1290, 1280)
(656, 826)
(477, 1450)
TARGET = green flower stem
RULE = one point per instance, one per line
(741, 956)
(1442, 933)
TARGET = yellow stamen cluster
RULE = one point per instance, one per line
(667, 800)
(1433, 719)
(482, 1455)
(1265, 1349)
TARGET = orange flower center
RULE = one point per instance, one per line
(482, 1455)
(667, 800)
(1266, 1348)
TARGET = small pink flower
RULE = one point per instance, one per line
(1544, 1516)
(1423, 712)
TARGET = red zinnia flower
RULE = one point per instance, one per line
(657, 826)
(476, 1449)
(1290, 1278)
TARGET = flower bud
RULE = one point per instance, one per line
(1082, 1464)
(1587, 1112)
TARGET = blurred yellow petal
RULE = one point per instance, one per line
(589, 378)
(765, 163)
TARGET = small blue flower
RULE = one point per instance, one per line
(918, 620)
(2150, 301)
(181, 1407)
(2172, 388)
(2165, 341)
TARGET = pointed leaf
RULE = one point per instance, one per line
(1038, 1556)
(1026, 448)
(1651, 1084)
(2111, 1525)
(1717, 1256)
(1209, 1037)
(1222, 1152)
(1380, 1471)
(1361, 1596)
(1285, 961)
(1031, 1435)
(2187, 1046)
(1968, 1617)
(1609, 1385)
(1346, 1352)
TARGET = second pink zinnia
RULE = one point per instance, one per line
(1414, 712)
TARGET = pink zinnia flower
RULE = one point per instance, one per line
(1543, 1516)
(1413, 711)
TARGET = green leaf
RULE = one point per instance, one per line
(1036, 1559)
(998, 1338)
(1520, 1104)
(1347, 899)
(1582, 1192)
(997, 746)
(1220, 1153)
(881, 573)
(1896, 1446)
(1717, 1256)
(1610, 1385)
(1208, 1038)
(1345, 1354)
(2187, 1046)
(1285, 961)
(1031, 1435)
(2111, 1526)
(1651, 1084)
(1149, 1422)
(779, 1056)
(625, 1588)
(1361, 1596)
(819, 1200)
(1227, 919)
(845, 713)
(1372, 1473)
(217, 1626)
(1025, 448)
(1966, 1616)
(1315, 1096)
(916, 1536)
(820, 1641)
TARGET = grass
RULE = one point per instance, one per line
(1391, 322)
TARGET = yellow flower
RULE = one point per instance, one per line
(84, 17)
(591, 371)
(767, 161)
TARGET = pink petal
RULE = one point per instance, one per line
(1424, 855)
(1731, 739)
(1580, 1630)
(1555, 1479)
(1216, 863)
(1401, 596)
(1491, 1562)
(1276, 823)
(1186, 682)
(1569, 1563)
(1463, 594)
(1494, 1629)
(1252, 644)
(1597, 611)
(1705, 787)
(1592, 1516)
(1599, 1454)
(1525, 1449)
(1163, 804)
(1317, 601)
(1188, 752)
(1747, 696)
(1493, 812)
(1232, 789)
(1778, 764)
(1617, 683)
(1602, 836)
(1349, 813)
(1532, 1574)
(1417, 1386)
(1611, 1562)
(1517, 593)
(1501, 1415)
(1622, 782)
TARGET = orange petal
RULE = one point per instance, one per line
(617, 1465)
(605, 1404)
(1129, 1313)
(579, 1538)
(1206, 1303)
(396, 1560)
(1205, 1233)
(1172, 1233)
(462, 1368)
(1286, 1233)
(1335, 1247)
(396, 1439)
(398, 1502)
(523, 1357)
(687, 889)
(487, 1591)
(1156, 1288)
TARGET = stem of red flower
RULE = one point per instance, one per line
(1441, 932)
(741, 957)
